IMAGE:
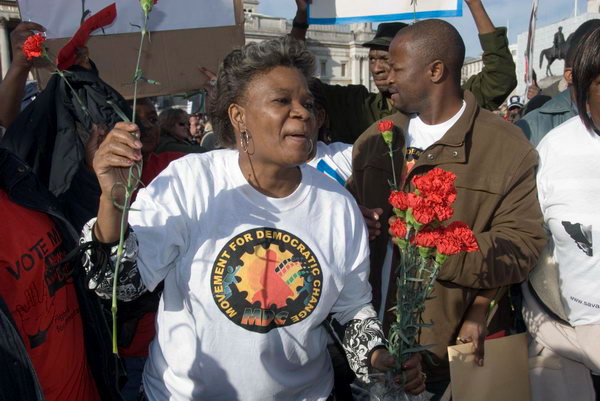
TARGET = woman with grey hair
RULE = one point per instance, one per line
(252, 254)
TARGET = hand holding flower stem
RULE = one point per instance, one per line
(134, 174)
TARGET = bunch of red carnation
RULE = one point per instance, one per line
(420, 215)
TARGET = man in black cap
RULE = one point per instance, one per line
(352, 109)
(515, 108)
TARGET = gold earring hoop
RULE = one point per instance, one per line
(244, 139)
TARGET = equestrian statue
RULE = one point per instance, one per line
(558, 51)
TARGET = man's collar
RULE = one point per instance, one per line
(457, 133)
(560, 103)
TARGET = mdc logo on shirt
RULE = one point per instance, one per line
(266, 278)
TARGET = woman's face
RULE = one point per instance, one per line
(277, 111)
(594, 101)
(151, 132)
(181, 128)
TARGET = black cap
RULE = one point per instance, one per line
(385, 34)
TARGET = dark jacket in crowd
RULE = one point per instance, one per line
(18, 380)
(352, 109)
(539, 122)
(51, 133)
(168, 143)
(496, 196)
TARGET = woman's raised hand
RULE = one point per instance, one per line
(120, 150)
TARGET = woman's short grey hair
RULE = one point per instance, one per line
(239, 68)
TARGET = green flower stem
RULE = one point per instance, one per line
(137, 73)
(132, 183)
(393, 168)
(123, 229)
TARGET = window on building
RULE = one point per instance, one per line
(323, 68)
(343, 69)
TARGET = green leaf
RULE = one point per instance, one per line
(150, 81)
(118, 110)
(403, 337)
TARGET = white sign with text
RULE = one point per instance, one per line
(62, 17)
(353, 11)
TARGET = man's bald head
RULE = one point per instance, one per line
(435, 39)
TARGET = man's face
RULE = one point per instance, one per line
(195, 126)
(514, 114)
(408, 81)
(379, 67)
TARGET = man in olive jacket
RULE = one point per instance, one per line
(496, 191)
(352, 108)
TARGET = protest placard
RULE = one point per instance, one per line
(504, 375)
(62, 17)
(352, 11)
(172, 55)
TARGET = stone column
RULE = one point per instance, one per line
(4, 47)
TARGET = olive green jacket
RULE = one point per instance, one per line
(352, 109)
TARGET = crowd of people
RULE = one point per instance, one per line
(258, 262)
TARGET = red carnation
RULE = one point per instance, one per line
(447, 244)
(399, 200)
(33, 46)
(443, 212)
(413, 199)
(386, 125)
(427, 238)
(398, 229)
(437, 185)
(423, 212)
(462, 233)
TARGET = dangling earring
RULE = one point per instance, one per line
(310, 149)
(244, 139)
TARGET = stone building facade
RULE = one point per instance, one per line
(341, 58)
(9, 18)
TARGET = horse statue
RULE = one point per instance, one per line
(556, 52)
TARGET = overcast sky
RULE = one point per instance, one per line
(514, 12)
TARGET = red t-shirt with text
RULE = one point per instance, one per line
(43, 302)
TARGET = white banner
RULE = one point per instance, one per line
(529, 49)
(62, 17)
(352, 11)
